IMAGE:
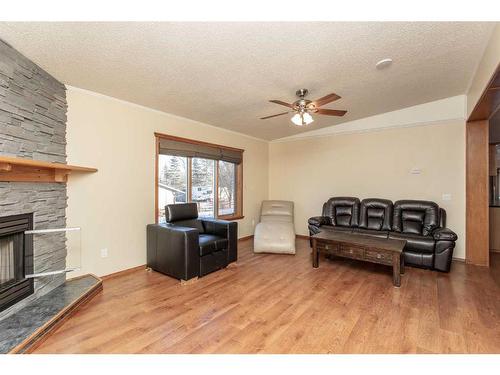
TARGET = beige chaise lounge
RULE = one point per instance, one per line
(275, 233)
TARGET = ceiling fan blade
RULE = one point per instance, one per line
(279, 114)
(331, 112)
(281, 103)
(326, 99)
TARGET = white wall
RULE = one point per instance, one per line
(114, 205)
(377, 163)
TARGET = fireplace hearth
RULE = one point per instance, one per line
(16, 259)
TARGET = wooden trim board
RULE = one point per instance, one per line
(489, 102)
(124, 272)
(157, 152)
(195, 142)
(245, 238)
(477, 194)
(302, 236)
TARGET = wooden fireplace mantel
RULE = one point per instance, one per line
(28, 170)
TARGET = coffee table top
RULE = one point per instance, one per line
(361, 240)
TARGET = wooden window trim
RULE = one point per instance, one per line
(238, 214)
(195, 142)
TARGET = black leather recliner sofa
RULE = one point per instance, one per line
(187, 246)
(429, 244)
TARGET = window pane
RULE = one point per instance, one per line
(227, 188)
(202, 186)
(172, 182)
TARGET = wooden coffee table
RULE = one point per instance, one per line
(360, 247)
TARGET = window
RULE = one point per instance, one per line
(172, 182)
(192, 171)
(227, 188)
(202, 186)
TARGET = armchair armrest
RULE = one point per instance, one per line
(217, 227)
(444, 234)
(226, 229)
(173, 250)
(320, 220)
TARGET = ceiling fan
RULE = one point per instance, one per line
(304, 107)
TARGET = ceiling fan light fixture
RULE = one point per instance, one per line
(307, 118)
(297, 119)
(304, 107)
(301, 119)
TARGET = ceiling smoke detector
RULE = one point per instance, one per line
(383, 64)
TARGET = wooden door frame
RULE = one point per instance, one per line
(477, 193)
(477, 249)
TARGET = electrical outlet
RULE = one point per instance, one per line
(415, 171)
(446, 197)
(104, 253)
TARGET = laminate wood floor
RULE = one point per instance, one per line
(279, 304)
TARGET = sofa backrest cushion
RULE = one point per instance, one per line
(274, 210)
(184, 215)
(375, 214)
(415, 217)
(344, 211)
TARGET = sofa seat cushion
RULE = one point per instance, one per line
(274, 237)
(371, 232)
(213, 262)
(415, 242)
(210, 243)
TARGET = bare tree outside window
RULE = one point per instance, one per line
(172, 182)
(176, 186)
(202, 186)
(227, 188)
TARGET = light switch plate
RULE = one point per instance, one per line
(416, 171)
(104, 253)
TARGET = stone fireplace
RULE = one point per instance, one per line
(32, 126)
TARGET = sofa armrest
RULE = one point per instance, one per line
(444, 234)
(320, 220)
(173, 250)
(443, 250)
(226, 229)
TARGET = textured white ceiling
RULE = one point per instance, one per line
(224, 74)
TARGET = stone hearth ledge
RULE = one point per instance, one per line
(23, 330)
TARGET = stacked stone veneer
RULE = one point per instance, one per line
(33, 126)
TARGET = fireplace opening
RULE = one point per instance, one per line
(16, 259)
(7, 269)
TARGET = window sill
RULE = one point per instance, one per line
(231, 218)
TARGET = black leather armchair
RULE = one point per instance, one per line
(187, 246)
(422, 224)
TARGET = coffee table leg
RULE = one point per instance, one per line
(396, 269)
(402, 262)
(315, 254)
